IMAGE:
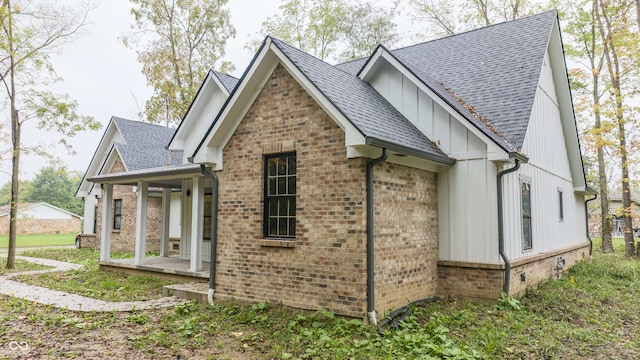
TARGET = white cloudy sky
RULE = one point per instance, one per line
(104, 76)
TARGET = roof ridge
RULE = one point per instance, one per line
(503, 23)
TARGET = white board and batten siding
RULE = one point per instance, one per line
(467, 210)
(548, 172)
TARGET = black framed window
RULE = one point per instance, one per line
(117, 213)
(527, 242)
(561, 204)
(280, 195)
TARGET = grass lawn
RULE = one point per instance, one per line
(590, 313)
(39, 240)
(91, 282)
(21, 265)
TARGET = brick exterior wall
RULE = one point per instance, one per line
(484, 281)
(325, 266)
(125, 238)
(406, 235)
(42, 226)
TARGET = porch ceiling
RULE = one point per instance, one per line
(163, 177)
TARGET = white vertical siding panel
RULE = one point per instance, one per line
(395, 87)
(380, 81)
(441, 127)
(425, 114)
(544, 142)
(548, 231)
(491, 213)
(458, 136)
(476, 210)
(474, 144)
(459, 200)
(444, 215)
(409, 100)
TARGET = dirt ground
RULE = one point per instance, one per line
(47, 333)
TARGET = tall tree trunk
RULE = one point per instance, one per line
(614, 72)
(605, 217)
(15, 141)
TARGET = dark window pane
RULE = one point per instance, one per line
(282, 186)
(272, 166)
(273, 207)
(292, 185)
(292, 207)
(292, 226)
(273, 227)
(526, 232)
(283, 207)
(292, 165)
(282, 166)
(282, 226)
(272, 186)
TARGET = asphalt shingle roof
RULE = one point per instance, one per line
(228, 81)
(145, 145)
(494, 69)
(367, 110)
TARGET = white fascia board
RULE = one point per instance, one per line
(381, 54)
(114, 154)
(246, 93)
(109, 138)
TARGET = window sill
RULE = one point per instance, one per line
(115, 231)
(278, 243)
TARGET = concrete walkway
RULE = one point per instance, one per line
(69, 301)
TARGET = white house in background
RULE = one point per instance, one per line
(40, 218)
(446, 168)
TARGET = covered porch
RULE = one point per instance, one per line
(189, 180)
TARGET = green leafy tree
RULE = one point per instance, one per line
(331, 30)
(25, 191)
(177, 42)
(29, 31)
(57, 187)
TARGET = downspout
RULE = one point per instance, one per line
(586, 218)
(371, 310)
(507, 262)
(214, 231)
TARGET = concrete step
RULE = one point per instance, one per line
(196, 291)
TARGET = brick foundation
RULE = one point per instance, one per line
(485, 281)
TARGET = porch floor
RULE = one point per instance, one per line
(166, 267)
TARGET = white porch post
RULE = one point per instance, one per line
(166, 219)
(197, 212)
(105, 232)
(141, 223)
